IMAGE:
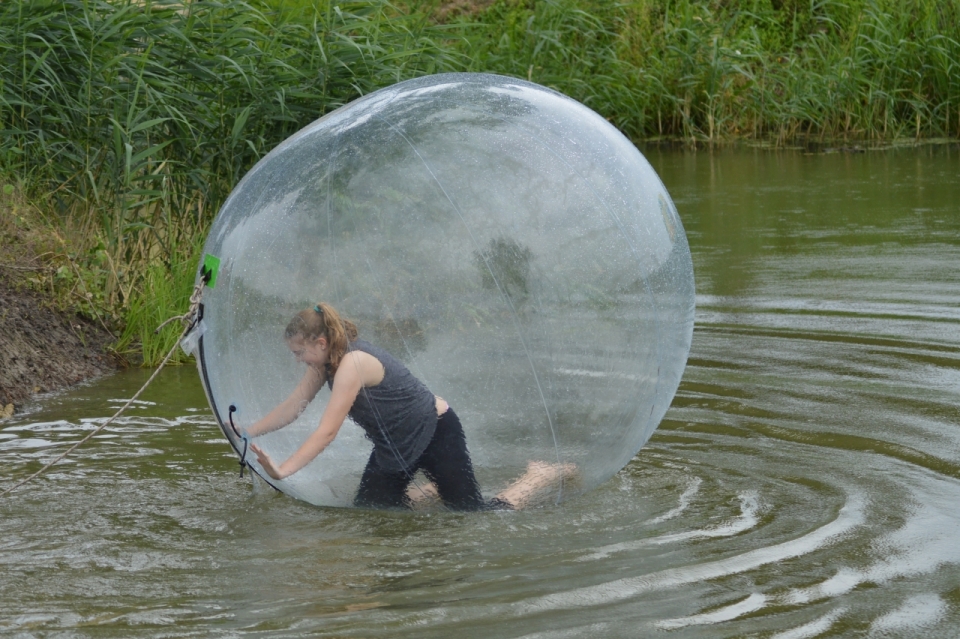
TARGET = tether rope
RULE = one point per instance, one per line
(189, 321)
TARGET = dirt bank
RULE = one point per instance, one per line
(43, 350)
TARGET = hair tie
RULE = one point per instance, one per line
(318, 309)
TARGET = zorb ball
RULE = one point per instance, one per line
(506, 243)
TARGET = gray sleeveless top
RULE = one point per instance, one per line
(399, 414)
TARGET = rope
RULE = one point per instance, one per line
(189, 321)
(246, 440)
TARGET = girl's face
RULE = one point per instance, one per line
(311, 351)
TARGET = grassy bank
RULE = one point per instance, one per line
(773, 70)
(127, 123)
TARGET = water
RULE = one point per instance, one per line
(805, 483)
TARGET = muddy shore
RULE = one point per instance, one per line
(43, 350)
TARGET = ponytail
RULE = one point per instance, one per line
(323, 321)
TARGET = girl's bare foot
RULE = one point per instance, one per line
(533, 485)
(539, 477)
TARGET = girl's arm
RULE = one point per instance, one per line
(351, 376)
(290, 408)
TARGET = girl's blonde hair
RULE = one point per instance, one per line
(323, 320)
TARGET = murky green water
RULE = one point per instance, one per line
(805, 483)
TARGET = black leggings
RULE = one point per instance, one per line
(445, 461)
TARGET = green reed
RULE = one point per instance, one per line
(169, 287)
(129, 122)
(133, 120)
(774, 70)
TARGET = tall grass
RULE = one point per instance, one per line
(134, 119)
(165, 287)
(773, 70)
(129, 121)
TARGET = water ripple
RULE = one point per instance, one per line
(805, 482)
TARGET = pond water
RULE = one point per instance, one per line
(805, 482)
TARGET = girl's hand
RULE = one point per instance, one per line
(264, 460)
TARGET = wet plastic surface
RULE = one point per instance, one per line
(509, 245)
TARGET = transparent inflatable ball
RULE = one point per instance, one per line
(503, 241)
